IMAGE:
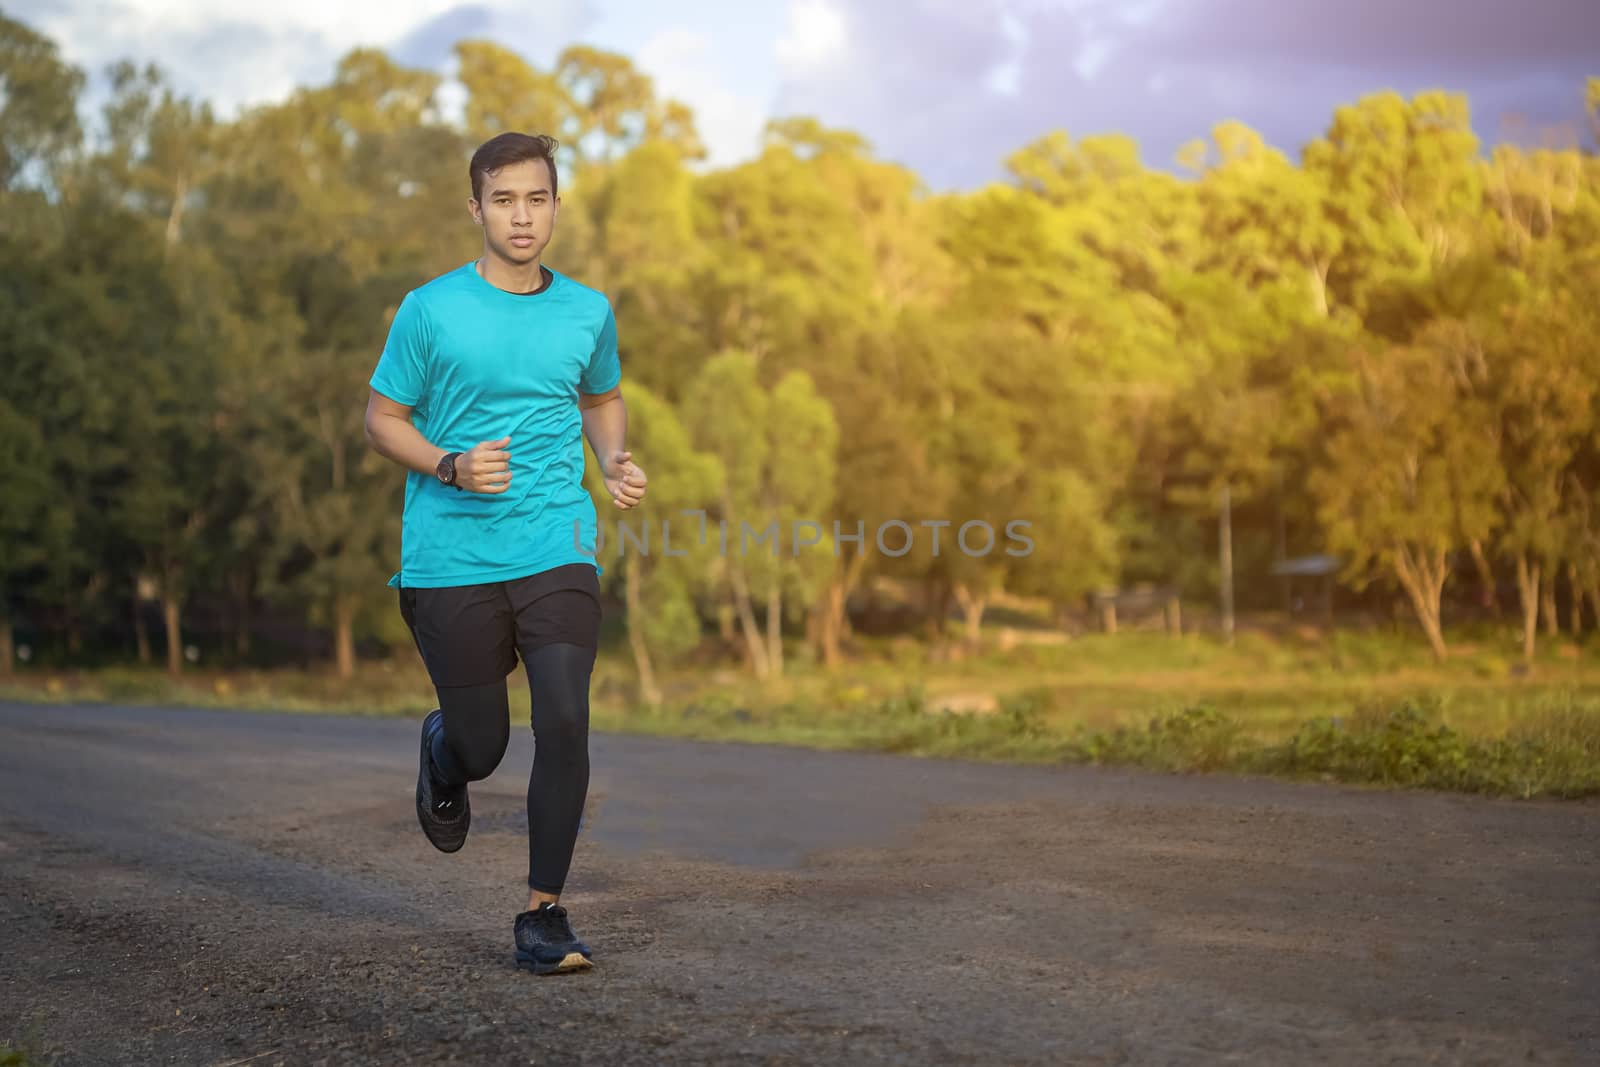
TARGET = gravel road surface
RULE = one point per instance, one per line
(186, 886)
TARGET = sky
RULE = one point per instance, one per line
(946, 87)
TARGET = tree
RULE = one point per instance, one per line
(505, 92)
(866, 345)
(1263, 221)
(1546, 397)
(631, 235)
(1064, 546)
(1403, 188)
(39, 132)
(737, 437)
(616, 108)
(160, 157)
(797, 491)
(43, 397)
(786, 273)
(660, 576)
(345, 210)
(776, 450)
(1407, 478)
(1055, 356)
(156, 461)
(1530, 194)
(38, 105)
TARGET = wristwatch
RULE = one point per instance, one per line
(446, 470)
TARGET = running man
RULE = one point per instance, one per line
(492, 375)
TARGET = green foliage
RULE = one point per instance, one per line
(1195, 739)
(1384, 718)
(1399, 747)
(1556, 752)
(38, 120)
(659, 547)
(1382, 349)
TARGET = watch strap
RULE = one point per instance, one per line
(448, 458)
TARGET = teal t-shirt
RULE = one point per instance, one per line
(477, 363)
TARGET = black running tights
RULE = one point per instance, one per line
(477, 725)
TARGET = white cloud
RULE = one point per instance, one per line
(1091, 58)
(903, 72)
(814, 38)
(338, 20)
(683, 68)
(923, 75)
(1005, 79)
(236, 53)
(1139, 12)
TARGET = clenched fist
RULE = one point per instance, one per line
(624, 479)
(485, 468)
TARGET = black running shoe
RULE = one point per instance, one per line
(546, 943)
(444, 811)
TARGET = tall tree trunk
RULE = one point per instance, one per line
(180, 196)
(972, 605)
(1575, 598)
(169, 615)
(755, 647)
(1547, 602)
(141, 632)
(832, 616)
(1528, 597)
(649, 690)
(344, 644)
(936, 598)
(775, 625)
(726, 613)
(1317, 275)
(1225, 552)
(8, 646)
(91, 592)
(1422, 573)
(835, 617)
(1280, 547)
(1487, 597)
(747, 620)
(242, 608)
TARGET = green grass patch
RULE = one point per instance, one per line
(1554, 750)
(1349, 707)
(12, 1056)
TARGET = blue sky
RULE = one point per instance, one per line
(949, 87)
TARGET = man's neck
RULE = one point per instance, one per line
(512, 277)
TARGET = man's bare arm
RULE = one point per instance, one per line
(485, 468)
(392, 435)
(605, 422)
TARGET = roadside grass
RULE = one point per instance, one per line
(12, 1056)
(1352, 707)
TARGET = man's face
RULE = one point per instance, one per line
(517, 212)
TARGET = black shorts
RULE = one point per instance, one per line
(470, 634)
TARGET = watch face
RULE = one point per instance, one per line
(447, 470)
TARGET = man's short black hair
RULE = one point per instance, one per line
(509, 148)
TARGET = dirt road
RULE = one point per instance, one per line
(204, 887)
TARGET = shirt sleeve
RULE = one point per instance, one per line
(604, 372)
(402, 372)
